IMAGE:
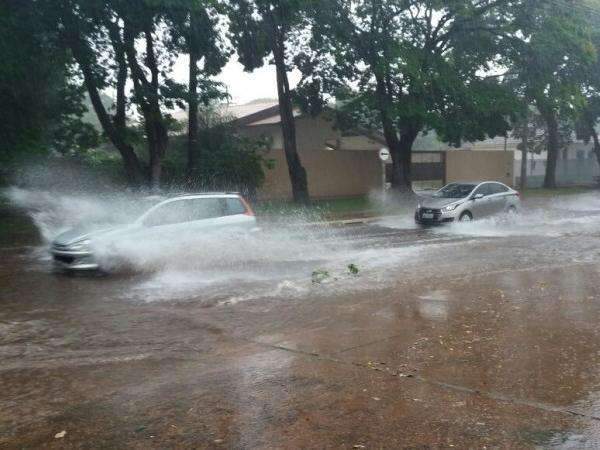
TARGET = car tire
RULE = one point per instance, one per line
(466, 216)
(512, 210)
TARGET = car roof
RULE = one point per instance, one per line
(169, 196)
(477, 182)
(188, 196)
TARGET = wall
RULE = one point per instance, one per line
(569, 172)
(467, 165)
(337, 173)
(330, 174)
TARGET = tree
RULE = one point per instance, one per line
(260, 28)
(587, 121)
(588, 115)
(231, 161)
(140, 23)
(529, 127)
(91, 32)
(42, 105)
(412, 66)
(550, 56)
(194, 29)
(522, 130)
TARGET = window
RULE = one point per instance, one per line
(484, 189)
(206, 208)
(234, 206)
(454, 190)
(497, 188)
(181, 211)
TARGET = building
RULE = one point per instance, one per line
(347, 164)
(577, 164)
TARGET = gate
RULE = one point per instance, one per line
(428, 169)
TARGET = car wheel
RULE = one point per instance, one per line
(512, 210)
(465, 217)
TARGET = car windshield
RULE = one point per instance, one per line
(455, 190)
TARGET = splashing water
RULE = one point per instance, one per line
(547, 217)
(278, 261)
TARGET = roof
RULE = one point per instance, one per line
(264, 112)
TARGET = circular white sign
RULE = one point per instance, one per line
(384, 154)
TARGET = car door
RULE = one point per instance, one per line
(481, 206)
(166, 222)
(497, 198)
(208, 214)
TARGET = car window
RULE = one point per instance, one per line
(206, 208)
(454, 190)
(234, 206)
(497, 188)
(181, 211)
(484, 189)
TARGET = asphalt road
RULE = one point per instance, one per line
(482, 335)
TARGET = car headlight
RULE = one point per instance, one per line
(81, 245)
(449, 208)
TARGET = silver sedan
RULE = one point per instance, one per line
(467, 201)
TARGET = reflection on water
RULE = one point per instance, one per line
(434, 305)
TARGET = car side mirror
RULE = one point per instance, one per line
(477, 196)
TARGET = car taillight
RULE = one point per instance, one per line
(249, 211)
(518, 194)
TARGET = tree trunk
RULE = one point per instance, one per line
(113, 130)
(402, 165)
(596, 145)
(120, 116)
(594, 135)
(192, 144)
(525, 144)
(400, 147)
(288, 126)
(148, 99)
(552, 148)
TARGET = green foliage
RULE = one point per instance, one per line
(41, 101)
(319, 275)
(352, 269)
(419, 64)
(551, 55)
(258, 26)
(230, 161)
(194, 26)
(537, 133)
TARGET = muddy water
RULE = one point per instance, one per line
(478, 335)
(281, 259)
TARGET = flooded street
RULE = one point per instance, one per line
(475, 335)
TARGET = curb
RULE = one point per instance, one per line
(357, 221)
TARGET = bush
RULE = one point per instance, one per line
(227, 160)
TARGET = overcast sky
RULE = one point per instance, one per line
(242, 86)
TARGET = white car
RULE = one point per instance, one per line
(170, 218)
(467, 201)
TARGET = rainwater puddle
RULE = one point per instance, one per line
(282, 259)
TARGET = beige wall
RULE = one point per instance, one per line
(466, 165)
(346, 173)
(337, 173)
(330, 174)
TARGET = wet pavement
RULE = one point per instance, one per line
(483, 335)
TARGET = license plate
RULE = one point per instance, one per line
(427, 215)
